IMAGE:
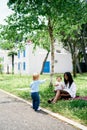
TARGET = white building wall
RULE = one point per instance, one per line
(7, 66)
(63, 63)
(21, 60)
(34, 60)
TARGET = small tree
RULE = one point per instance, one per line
(12, 54)
(1, 65)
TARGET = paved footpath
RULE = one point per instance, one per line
(18, 115)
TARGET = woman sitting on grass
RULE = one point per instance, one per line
(69, 90)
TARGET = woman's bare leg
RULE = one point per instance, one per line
(57, 96)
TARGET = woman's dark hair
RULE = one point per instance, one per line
(70, 79)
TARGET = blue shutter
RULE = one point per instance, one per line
(19, 66)
(18, 54)
(24, 66)
(46, 68)
(24, 53)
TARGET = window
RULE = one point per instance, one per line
(58, 51)
(24, 53)
(24, 66)
(19, 66)
(18, 54)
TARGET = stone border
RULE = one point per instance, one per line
(58, 116)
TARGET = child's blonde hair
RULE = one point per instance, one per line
(59, 76)
(36, 76)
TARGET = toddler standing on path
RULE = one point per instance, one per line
(35, 91)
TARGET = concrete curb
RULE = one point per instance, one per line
(58, 116)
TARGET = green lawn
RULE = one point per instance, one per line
(73, 109)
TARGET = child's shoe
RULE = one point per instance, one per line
(38, 109)
(50, 101)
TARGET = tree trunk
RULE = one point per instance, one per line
(44, 62)
(73, 53)
(50, 29)
(74, 60)
(84, 53)
(83, 43)
(12, 64)
(78, 66)
(7, 69)
(74, 66)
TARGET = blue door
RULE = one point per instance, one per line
(46, 68)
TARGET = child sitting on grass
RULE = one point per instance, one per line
(59, 84)
(35, 91)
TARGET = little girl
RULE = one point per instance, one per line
(35, 91)
(59, 84)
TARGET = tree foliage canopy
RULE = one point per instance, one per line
(44, 20)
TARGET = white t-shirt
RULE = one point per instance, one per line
(58, 86)
(71, 90)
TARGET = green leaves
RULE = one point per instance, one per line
(63, 14)
(6, 45)
(12, 53)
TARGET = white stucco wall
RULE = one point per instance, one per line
(63, 63)
(6, 61)
(21, 60)
(34, 60)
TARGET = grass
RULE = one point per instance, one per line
(73, 109)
